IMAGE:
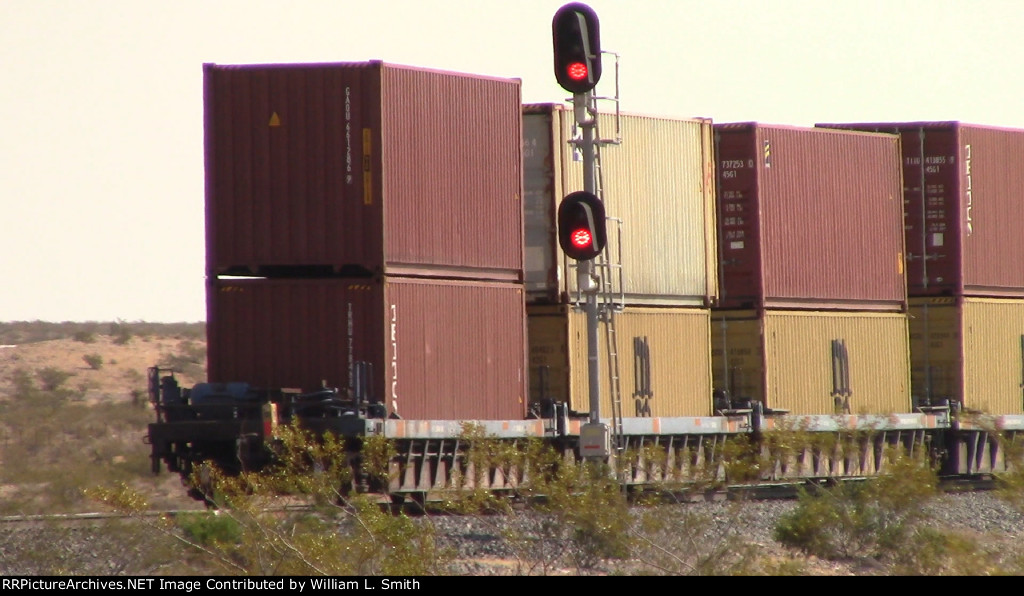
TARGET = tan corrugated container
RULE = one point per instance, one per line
(790, 360)
(659, 181)
(362, 168)
(664, 361)
(969, 350)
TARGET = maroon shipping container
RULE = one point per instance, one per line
(964, 204)
(809, 218)
(428, 349)
(362, 167)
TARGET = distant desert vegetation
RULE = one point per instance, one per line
(74, 409)
(99, 361)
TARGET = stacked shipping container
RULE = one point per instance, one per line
(381, 202)
(659, 181)
(964, 206)
(433, 349)
(811, 318)
(969, 349)
(657, 185)
(814, 361)
(365, 168)
(662, 362)
(379, 208)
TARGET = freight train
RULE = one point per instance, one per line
(382, 261)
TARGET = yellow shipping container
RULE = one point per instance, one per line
(814, 362)
(969, 350)
(663, 354)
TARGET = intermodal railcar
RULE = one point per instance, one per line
(382, 261)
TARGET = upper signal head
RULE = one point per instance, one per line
(577, 44)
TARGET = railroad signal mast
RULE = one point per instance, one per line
(581, 220)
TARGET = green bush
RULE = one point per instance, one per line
(871, 518)
(189, 360)
(84, 336)
(95, 361)
(52, 378)
(210, 529)
(24, 383)
(931, 552)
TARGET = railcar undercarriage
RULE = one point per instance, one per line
(232, 427)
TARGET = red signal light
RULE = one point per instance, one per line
(581, 226)
(577, 71)
(581, 238)
(577, 47)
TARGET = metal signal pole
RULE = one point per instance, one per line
(586, 279)
(594, 437)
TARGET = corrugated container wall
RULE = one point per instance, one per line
(964, 204)
(810, 218)
(659, 182)
(428, 349)
(359, 168)
(970, 350)
(664, 362)
(814, 363)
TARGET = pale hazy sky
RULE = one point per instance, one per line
(101, 158)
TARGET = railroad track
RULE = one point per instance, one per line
(737, 493)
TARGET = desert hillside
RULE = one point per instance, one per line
(74, 410)
(118, 371)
